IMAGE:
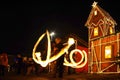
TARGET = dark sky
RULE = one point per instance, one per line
(21, 23)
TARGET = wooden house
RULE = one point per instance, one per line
(103, 43)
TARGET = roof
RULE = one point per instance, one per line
(102, 11)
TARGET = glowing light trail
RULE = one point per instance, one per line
(37, 55)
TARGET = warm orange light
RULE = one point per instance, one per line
(96, 31)
(108, 51)
(111, 30)
(95, 12)
(74, 64)
(37, 55)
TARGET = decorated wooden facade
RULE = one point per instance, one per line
(104, 42)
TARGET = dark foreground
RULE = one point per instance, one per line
(47, 76)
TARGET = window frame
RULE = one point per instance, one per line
(96, 31)
(111, 51)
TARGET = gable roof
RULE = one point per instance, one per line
(102, 11)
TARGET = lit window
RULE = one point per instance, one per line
(111, 30)
(95, 12)
(96, 31)
(108, 51)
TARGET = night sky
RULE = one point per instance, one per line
(21, 23)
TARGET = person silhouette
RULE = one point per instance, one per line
(3, 63)
(19, 63)
(59, 69)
